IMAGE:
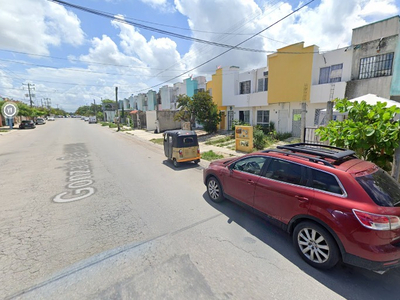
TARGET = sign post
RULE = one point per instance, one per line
(9, 110)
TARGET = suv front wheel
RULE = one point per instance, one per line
(315, 245)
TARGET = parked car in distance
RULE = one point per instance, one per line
(92, 119)
(336, 207)
(50, 119)
(27, 124)
(86, 119)
(40, 121)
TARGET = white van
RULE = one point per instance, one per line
(92, 119)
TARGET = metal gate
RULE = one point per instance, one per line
(296, 123)
(230, 119)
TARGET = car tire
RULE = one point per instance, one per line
(316, 245)
(214, 190)
(176, 164)
(197, 161)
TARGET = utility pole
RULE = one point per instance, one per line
(116, 101)
(29, 92)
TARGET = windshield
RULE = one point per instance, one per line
(382, 188)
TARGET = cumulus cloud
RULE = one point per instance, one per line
(328, 25)
(156, 53)
(35, 25)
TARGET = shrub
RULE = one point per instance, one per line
(258, 139)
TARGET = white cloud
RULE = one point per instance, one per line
(162, 5)
(157, 54)
(34, 25)
(327, 25)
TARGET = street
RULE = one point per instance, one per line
(90, 213)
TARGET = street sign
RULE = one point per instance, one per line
(9, 110)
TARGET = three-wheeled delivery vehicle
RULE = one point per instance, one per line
(181, 146)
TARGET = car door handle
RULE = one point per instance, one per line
(302, 198)
(249, 181)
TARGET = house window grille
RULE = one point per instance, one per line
(244, 116)
(376, 66)
(245, 87)
(262, 117)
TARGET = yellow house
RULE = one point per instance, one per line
(290, 74)
(289, 82)
(214, 87)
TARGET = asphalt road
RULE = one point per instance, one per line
(89, 213)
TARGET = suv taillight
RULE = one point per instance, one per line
(377, 222)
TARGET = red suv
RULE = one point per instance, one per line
(336, 206)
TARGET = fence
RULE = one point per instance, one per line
(311, 137)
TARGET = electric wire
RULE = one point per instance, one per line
(226, 51)
(125, 21)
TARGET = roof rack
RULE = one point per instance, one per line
(323, 151)
(312, 159)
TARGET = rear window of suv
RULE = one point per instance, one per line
(382, 188)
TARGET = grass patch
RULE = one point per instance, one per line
(104, 123)
(4, 130)
(211, 155)
(220, 140)
(159, 141)
(112, 125)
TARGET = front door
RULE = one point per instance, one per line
(283, 116)
(242, 178)
(230, 119)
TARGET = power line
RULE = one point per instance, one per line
(81, 60)
(226, 51)
(125, 21)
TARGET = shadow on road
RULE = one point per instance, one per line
(182, 166)
(348, 281)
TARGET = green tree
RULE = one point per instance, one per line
(24, 110)
(369, 130)
(186, 110)
(206, 111)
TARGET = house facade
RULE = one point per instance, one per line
(375, 63)
(297, 81)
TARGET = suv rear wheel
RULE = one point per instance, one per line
(315, 245)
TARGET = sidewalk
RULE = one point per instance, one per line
(203, 137)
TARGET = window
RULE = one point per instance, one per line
(331, 74)
(382, 188)
(285, 171)
(317, 116)
(251, 165)
(262, 85)
(244, 116)
(245, 87)
(262, 117)
(376, 66)
(325, 182)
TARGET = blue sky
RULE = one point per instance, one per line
(74, 57)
